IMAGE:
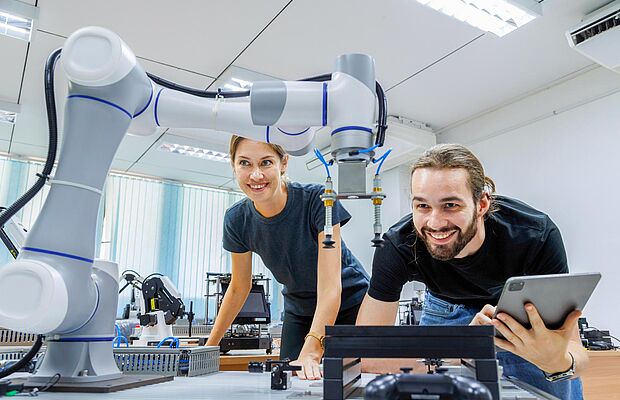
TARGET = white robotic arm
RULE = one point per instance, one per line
(52, 288)
(284, 113)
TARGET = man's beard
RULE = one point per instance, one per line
(449, 251)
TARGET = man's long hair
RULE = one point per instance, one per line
(455, 156)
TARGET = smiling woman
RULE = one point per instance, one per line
(282, 222)
(260, 170)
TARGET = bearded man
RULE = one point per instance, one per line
(463, 241)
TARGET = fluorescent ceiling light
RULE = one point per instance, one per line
(193, 151)
(496, 16)
(15, 27)
(8, 117)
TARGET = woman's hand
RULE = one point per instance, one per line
(310, 360)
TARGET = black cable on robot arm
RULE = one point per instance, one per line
(24, 360)
(382, 118)
(53, 141)
(197, 92)
(317, 78)
(382, 100)
(50, 103)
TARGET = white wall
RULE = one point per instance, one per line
(358, 232)
(559, 151)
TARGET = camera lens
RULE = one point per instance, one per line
(516, 286)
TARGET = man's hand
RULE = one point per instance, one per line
(309, 363)
(484, 317)
(545, 348)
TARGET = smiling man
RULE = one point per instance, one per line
(464, 242)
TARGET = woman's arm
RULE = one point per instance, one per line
(236, 294)
(329, 290)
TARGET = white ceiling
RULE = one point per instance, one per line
(435, 69)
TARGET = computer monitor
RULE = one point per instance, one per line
(255, 310)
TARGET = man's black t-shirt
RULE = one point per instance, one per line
(519, 240)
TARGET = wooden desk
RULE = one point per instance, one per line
(238, 361)
(601, 379)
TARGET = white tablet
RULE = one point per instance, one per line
(555, 296)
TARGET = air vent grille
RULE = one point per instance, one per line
(596, 28)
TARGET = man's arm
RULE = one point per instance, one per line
(376, 312)
(547, 349)
(236, 294)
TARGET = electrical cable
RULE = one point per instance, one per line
(381, 99)
(53, 141)
(151, 275)
(320, 157)
(368, 150)
(174, 342)
(50, 103)
(24, 360)
(380, 160)
(197, 92)
(116, 342)
(131, 270)
(382, 117)
(595, 329)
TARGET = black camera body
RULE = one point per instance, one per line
(441, 386)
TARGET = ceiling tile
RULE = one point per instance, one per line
(200, 36)
(5, 131)
(402, 36)
(120, 165)
(491, 71)
(176, 75)
(31, 126)
(13, 50)
(4, 146)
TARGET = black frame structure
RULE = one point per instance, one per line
(345, 345)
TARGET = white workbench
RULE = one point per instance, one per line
(232, 385)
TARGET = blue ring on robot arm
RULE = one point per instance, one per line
(351, 128)
(294, 134)
(156, 105)
(59, 254)
(109, 103)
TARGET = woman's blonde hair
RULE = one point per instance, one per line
(234, 144)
